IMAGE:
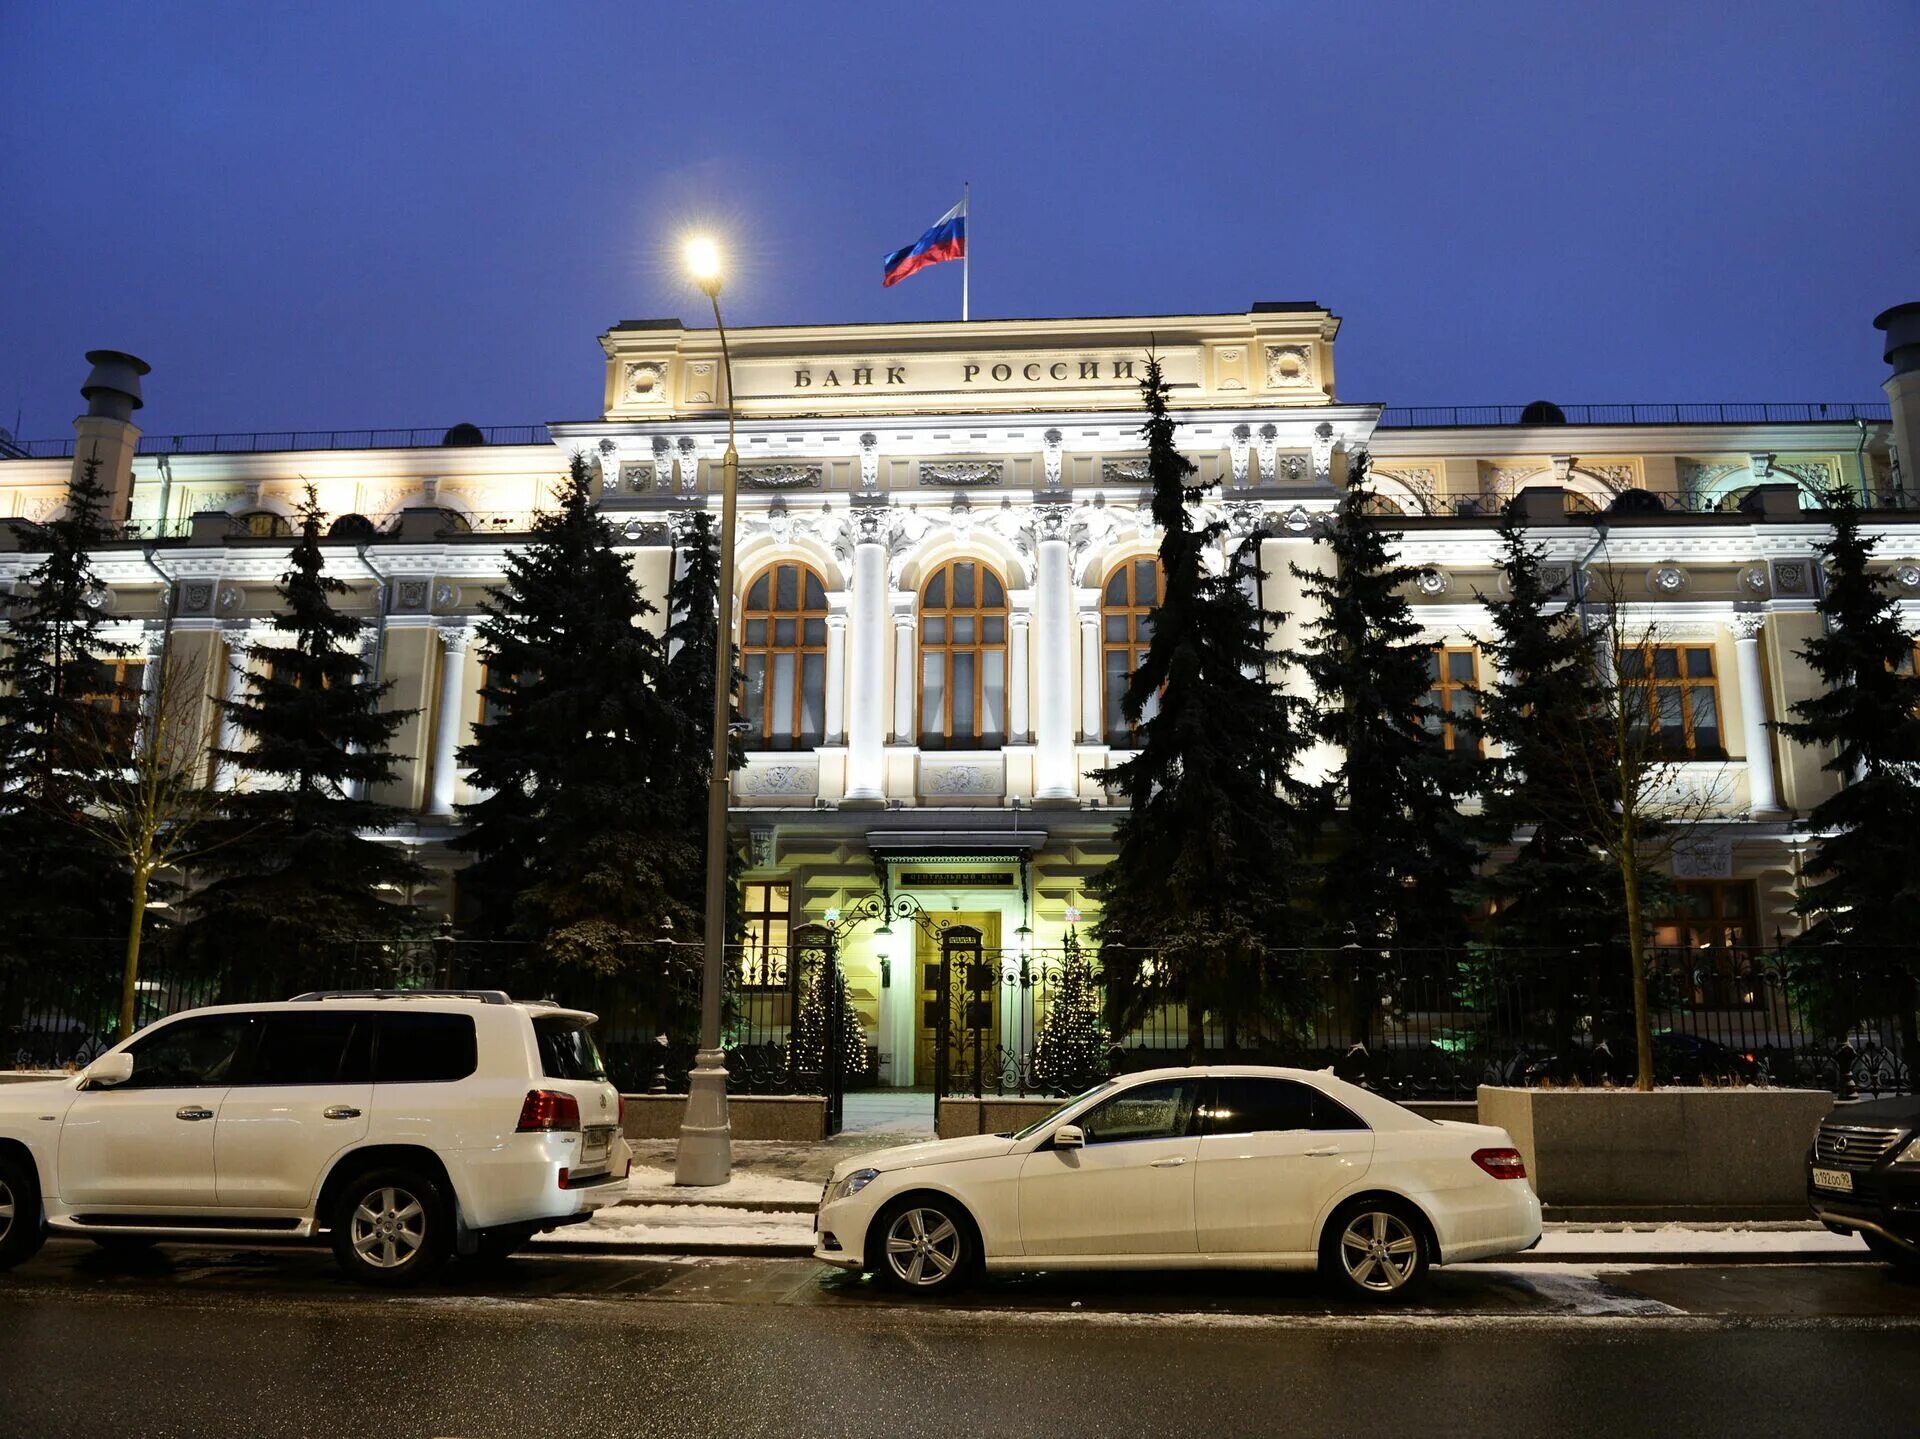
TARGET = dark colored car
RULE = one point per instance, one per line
(1863, 1176)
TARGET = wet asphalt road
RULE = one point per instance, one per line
(193, 1342)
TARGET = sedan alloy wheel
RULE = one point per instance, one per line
(1379, 1251)
(924, 1248)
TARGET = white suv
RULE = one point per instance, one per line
(408, 1125)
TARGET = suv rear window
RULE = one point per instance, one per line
(423, 1048)
(567, 1050)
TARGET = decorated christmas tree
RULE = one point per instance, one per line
(1071, 1051)
(810, 1045)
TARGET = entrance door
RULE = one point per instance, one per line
(960, 991)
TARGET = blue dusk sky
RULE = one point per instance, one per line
(413, 214)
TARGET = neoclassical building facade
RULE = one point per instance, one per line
(946, 567)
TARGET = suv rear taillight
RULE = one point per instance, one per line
(1501, 1163)
(623, 1114)
(548, 1109)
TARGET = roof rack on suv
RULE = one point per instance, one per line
(484, 996)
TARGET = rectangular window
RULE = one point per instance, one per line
(767, 917)
(567, 1050)
(1452, 678)
(496, 676)
(423, 1048)
(329, 1047)
(1704, 940)
(1676, 698)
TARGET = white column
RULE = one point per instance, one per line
(867, 667)
(153, 649)
(447, 728)
(1762, 796)
(906, 669)
(1019, 620)
(1053, 774)
(1092, 677)
(836, 674)
(233, 688)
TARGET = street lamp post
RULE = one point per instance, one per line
(705, 1154)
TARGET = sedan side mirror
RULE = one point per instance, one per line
(1069, 1136)
(110, 1069)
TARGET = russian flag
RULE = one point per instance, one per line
(947, 240)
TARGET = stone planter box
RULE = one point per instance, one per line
(754, 1116)
(1671, 1153)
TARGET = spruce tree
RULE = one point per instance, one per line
(1394, 853)
(293, 867)
(59, 886)
(582, 844)
(1198, 907)
(810, 1044)
(692, 639)
(1554, 907)
(1072, 1049)
(1862, 883)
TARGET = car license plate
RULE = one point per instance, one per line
(1833, 1179)
(596, 1143)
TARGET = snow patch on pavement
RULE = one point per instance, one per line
(663, 1224)
(1684, 1240)
(647, 1182)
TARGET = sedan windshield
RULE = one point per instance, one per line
(1051, 1115)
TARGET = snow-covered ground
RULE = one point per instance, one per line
(1601, 1241)
(660, 1226)
(645, 1183)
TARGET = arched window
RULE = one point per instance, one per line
(963, 658)
(784, 656)
(264, 525)
(1126, 619)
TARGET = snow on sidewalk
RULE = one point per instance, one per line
(1789, 1241)
(662, 1226)
(646, 1184)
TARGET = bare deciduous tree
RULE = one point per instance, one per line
(152, 798)
(1639, 799)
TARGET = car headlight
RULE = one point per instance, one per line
(854, 1183)
(1911, 1154)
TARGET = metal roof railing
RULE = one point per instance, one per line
(1440, 417)
(264, 441)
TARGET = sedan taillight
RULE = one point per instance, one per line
(548, 1109)
(1501, 1163)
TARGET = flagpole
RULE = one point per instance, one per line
(966, 255)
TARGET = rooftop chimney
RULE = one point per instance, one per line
(1902, 324)
(107, 431)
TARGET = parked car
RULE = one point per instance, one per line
(405, 1126)
(1863, 1176)
(1218, 1167)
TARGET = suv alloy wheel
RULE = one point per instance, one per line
(391, 1227)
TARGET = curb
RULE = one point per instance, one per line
(750, 1206)
(1644, 1259)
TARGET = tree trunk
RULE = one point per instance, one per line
(130, 975)
(1637, 951)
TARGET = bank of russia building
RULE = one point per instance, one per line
(946, 561)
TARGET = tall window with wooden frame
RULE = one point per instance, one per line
(1703, 941)
(766, 917)
(116, 707)
(783, 654)
(963, 657)
(1679, 698)
(1126, 629)
(1452, 698)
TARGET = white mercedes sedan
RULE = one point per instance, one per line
(1219, 1167)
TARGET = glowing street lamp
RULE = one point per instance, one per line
(705, 1154)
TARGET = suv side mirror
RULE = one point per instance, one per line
(1069, 1136)
(110, 1069)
